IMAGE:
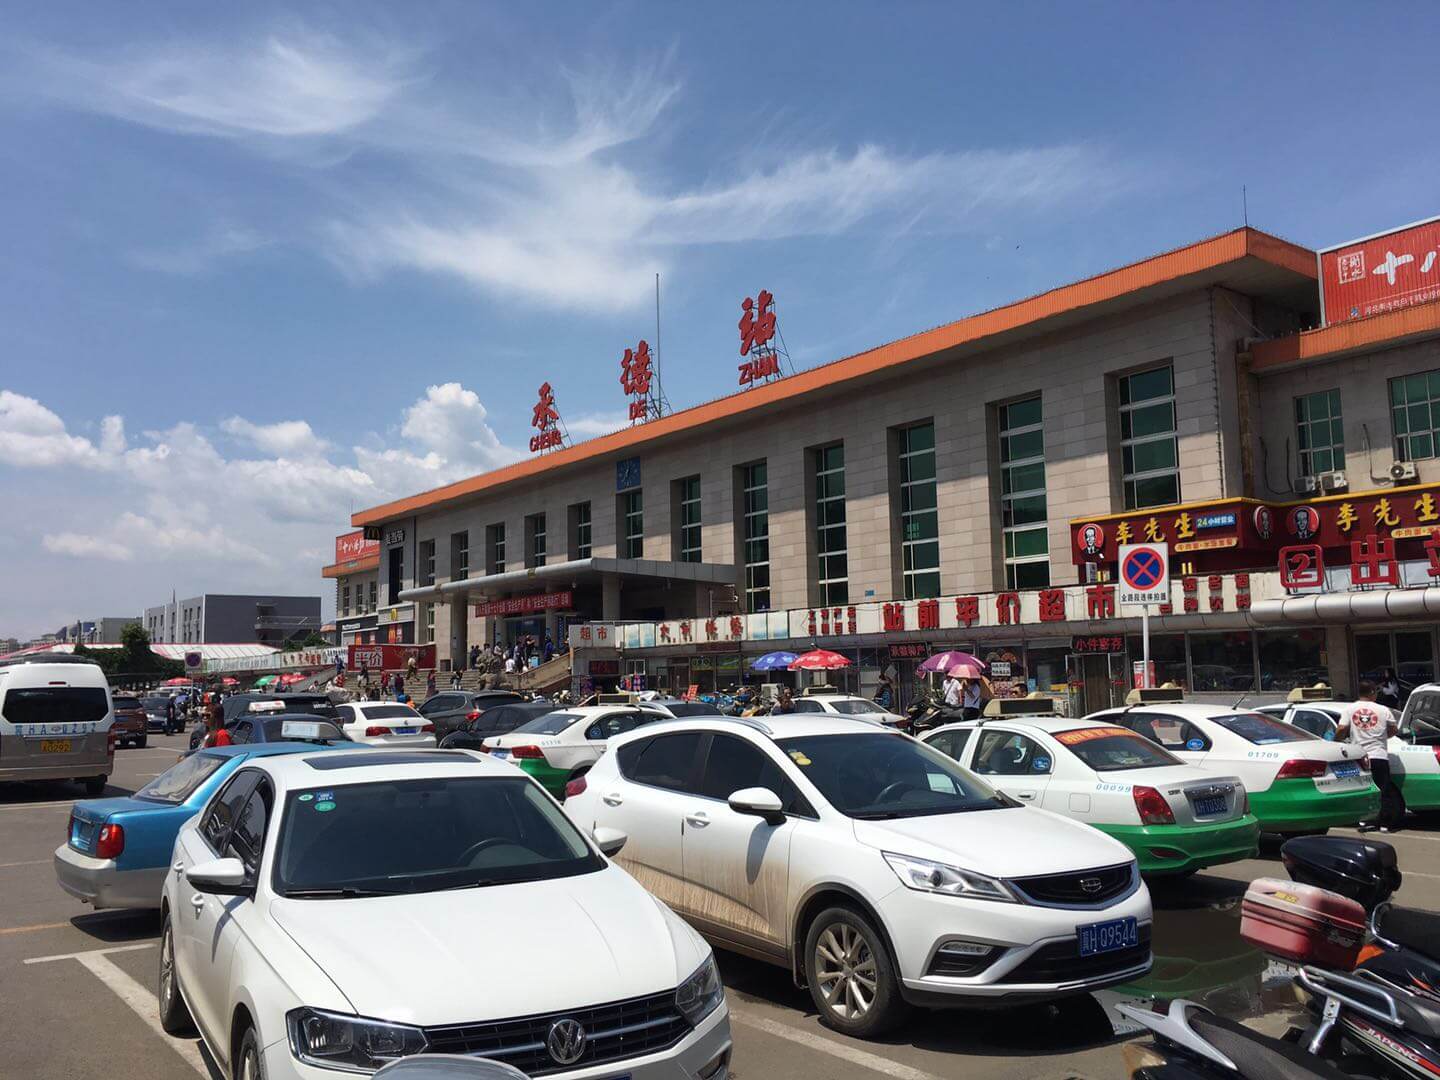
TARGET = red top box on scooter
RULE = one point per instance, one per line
(1303, 923)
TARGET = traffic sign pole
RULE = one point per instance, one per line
(1145, 647)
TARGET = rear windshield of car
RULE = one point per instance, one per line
(881, 775)
(691, 708)
(388, 712)
(1112, 749)
(178, 783)
(125, 702)
(155, 704)
(550, 724)
(1260, 729)
(424, 835)
(55, 704)
(855, 706)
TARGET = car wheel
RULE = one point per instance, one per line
(174, 1015)
(851, 975)
(94, 785)
(140, 742)
(248, 1063)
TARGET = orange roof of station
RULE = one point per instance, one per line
(1244, 257)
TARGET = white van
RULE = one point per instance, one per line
(55, 718)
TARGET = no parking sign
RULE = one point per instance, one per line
(1144, 574)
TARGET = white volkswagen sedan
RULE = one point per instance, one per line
(873, 867)
(826, 699)
(303, 929)
(385, 723)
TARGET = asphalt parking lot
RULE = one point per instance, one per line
(77, 988)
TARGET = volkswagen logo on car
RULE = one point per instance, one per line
(566, 1041)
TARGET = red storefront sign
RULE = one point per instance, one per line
(389, 657)
(1302, 566)
(1381, 273)
(353, 546)
(1098, 643)
(526, 605)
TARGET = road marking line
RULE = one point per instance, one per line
(30, 862)
(1408, 834)
(855, 1056)
(32, 929)
(38, 805)
(1417, 873)
(141, 1001)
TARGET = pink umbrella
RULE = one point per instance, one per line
(946, 660)
(966, 671)
(818, 660)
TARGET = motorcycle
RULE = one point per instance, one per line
(1365, 977)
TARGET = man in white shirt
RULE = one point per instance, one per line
(953, 692)
(1368, 725)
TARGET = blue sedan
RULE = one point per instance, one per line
(119, 849)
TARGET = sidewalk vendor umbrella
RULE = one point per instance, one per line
(818, 660)
(177, 682)
(291, 677)
(944, 661)
(229, 681)
(967, 671)
(773, 661)
(266, 680)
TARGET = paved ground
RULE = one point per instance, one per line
(77, 989)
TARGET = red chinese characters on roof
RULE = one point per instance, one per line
(545, 419)
(757, 329)
(635, 376)
(1384, 273)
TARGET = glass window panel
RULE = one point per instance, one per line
(1026, 477)
(922, 585)
(1152, 420)
(1292, 658)
(1153, 491)
(1421, 446)
(1401, 421)
(1029, 542)
(1222, 661)
(1156, 454)
(1027, 445)
(1030, 575)
(1416, 388)
(919, 437)
(1397, 392)
(1021, 413)
(1025, 510)
(1144, 385)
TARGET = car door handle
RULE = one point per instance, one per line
(1026, 794)
(179, 868)
(197, 902)
(697, 820)
(612, 799)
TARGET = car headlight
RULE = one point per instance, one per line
(701, 994)
(352, 1043)
(926, 876)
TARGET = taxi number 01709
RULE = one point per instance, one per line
(1109, 936)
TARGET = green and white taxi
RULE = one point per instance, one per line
(1176, 818)
(560, 746)
(1414, 749)
(1296, 782)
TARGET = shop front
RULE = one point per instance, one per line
(359, 630)
(395, 625)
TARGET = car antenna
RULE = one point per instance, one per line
(1243, 696)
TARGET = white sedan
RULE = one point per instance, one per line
(835, 704)
(1414, 751)
(1296, 782)
(385, 723)
(301, 929)
(1176, 818)
(560, 746)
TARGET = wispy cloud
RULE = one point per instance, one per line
(519, 191)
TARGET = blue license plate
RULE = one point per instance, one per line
(406, 730)
(1207, 807)
(500, 753)
(1109, 936)
(1346, 770)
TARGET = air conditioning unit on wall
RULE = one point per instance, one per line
(1332, 482)
(1404, 472)
(1306, 485)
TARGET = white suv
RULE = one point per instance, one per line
(874, 867)
(326, 914)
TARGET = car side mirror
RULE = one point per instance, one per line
(760, 802)
(220, 877)
(609, 840)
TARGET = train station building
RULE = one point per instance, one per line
(1268, 414)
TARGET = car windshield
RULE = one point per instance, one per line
(877, 775)
(155, 704)
(125, 702)
(1260, 729)
(178, 783)
(1112, 749)
(552, 723)
(424, 835)
(855, 706)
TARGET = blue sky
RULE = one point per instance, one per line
(267, 265)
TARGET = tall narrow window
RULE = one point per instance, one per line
(345, 600)
(495, 545)
(1415, 415)
(1022, 495)
(919, 516)
(1320, 435)
(632, 522)
(429, 623)
(535, 540)
(427, 562)
(1150, 455)
(833, 569)
(689, 492)
(580, 530)
(756, 512)
(374, 594)
(459, 556)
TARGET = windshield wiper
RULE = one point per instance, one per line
(877, 815)
(345, 893)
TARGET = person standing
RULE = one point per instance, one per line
(456, 679)
(784, 703)
(1388, 692)
(970, 697)
(953, 692)
(430, 685)
(1367, 724)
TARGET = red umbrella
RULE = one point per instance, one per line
(966, 671)
(177, 682)
(228, 681)
(819, 660)
(944, 661)
(291, 677)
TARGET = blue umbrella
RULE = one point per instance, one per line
(774, 661)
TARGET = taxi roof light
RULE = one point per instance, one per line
(1156, 695)
(1033, 705)
(1318, 692)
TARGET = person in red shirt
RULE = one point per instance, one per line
(215, 720)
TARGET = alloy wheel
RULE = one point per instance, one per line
(845, 971)
(167, 969)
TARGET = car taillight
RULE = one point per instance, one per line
(427, 729)
(110, 741)
(1436, 748)
(473, 714)
(70, 826)
(110, 842)
(1153, 808)
(575, 787)
(526, 752)
(1300, 769)
(372, 732)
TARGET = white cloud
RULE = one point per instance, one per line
(87, 547)
(586, 425)
(286, 438)
(451, 420)
(32, 435)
